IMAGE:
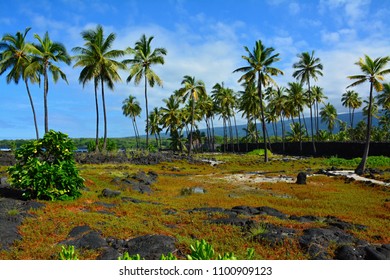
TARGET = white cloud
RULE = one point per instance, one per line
(294, 8)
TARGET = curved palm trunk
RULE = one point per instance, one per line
(97, 118)
(362, 165)
(104, 118)
(262, 118)
(33, 109)
(147, 113)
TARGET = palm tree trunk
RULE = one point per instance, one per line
(147, 113)
(97, 118)
(32, 108)
(311, 118)
(212, 135)
(300, 133)
(362, 165)
(45, 93)
(262, 118)
(235, 125)
(104, 118)
(192, 123)
(283, 132)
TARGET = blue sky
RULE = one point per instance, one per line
(204, 39)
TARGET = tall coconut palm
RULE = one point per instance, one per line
(99, 63)
(249, 105)
(143, 59)
(260, 68)
(328, 115)
(296, 101)
(46, 53)
(154, 125)
(352, 101)
(308, 67)
(15, 57)
(191, 89)
(373, 72)
(171, 119)
(131, 108)
(318, 97)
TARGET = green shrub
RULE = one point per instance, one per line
(111, 145)
(372, 162)
(259, 152)
(45, 169)
(127, 257)
(68, 253)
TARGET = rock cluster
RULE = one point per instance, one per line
(333, 241)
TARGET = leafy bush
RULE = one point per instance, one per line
(68, 253)
(259, 152)
(110, 145)
(45, 169)
(372, 162)
(127, 257)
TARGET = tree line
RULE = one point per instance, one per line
(261, 99)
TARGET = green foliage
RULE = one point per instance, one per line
(250, 253)
(45, 169)
(168, 257)
(259, 152)
(201, 250)
(68, 253)
(127, 257)
(111, 145)
(372, 162)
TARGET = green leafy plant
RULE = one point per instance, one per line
(45, 169)
(259, 152)
(110, 146)
(68, 253)
(201, 250)
(127, 257)
(168, 257)
(227, 256)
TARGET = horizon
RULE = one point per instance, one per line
(204, 39)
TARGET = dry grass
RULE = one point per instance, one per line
(167, 214)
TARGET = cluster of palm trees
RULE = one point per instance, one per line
(261, 100)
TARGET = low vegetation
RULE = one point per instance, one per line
(166, 210)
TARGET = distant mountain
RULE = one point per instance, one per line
(342, 117)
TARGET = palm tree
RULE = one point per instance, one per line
(46, 53)
(249, 105)
(328, 115)
(154, 125)
(100, 65)
(295, 103)
(373, 72)
(144, 58)
(171, 119)
(132, 109)
(384, 97)
(15, 57)
(352, 101)
(308, 67)
(192, 89)
(318, 97)
(259, 67)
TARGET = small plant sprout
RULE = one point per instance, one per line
(68, 253)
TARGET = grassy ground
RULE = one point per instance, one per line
(322, 196)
